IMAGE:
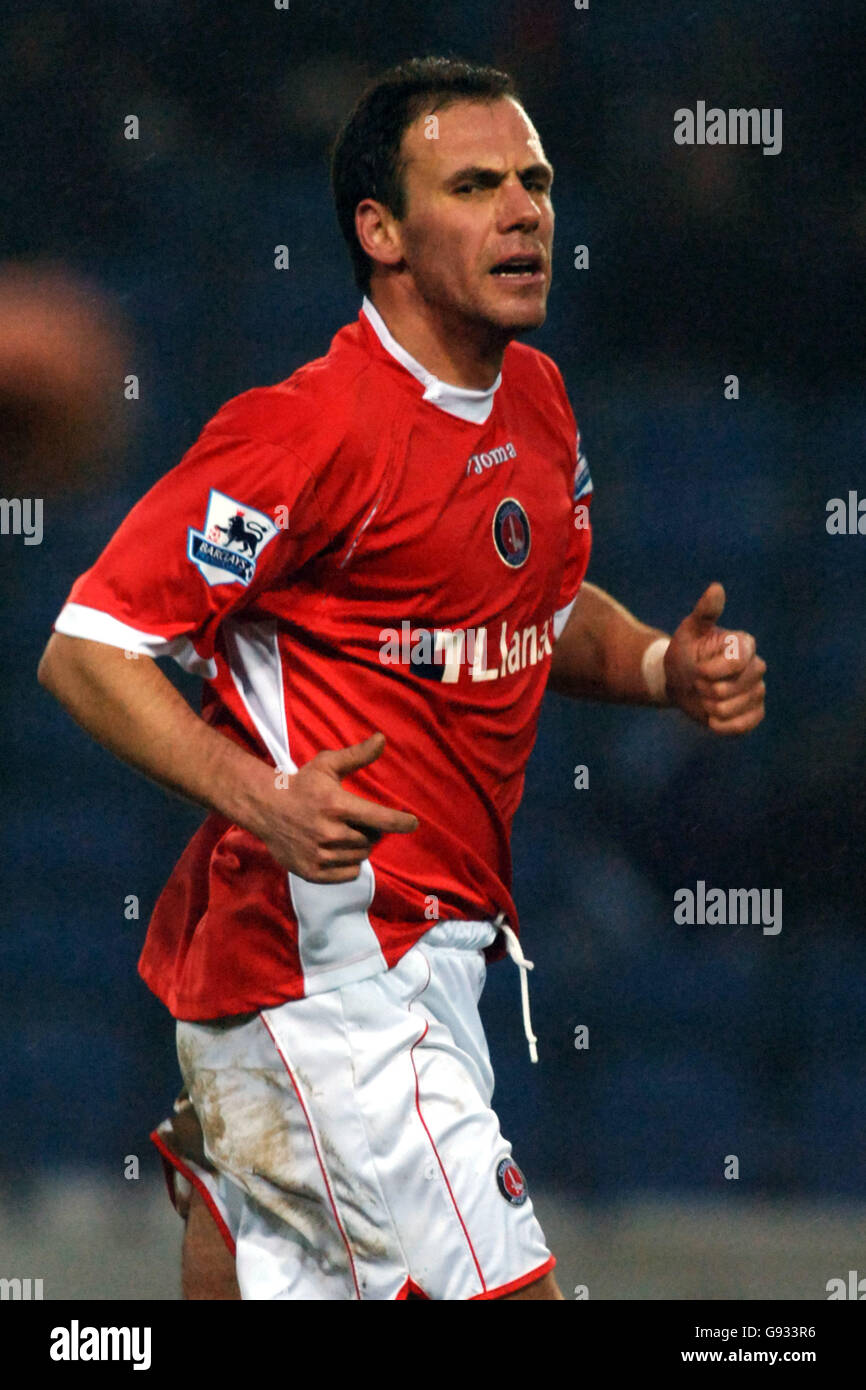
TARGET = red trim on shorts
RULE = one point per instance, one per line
(318, 1156)
(530, 1278)
(167, 1174)
(410, 1287)
(432, 1144)
(170, 1160)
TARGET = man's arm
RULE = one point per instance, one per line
(313, 827)
(712, 674)
(598, 654)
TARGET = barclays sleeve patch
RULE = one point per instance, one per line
(227, 548)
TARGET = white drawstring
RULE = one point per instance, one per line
(515, 951)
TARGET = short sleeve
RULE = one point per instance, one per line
(235, 516)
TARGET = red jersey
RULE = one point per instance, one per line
(360, 547)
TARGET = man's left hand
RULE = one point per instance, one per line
(713, 674)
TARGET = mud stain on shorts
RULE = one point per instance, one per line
(253, 1128)
(255, 1131)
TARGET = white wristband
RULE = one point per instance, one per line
(652, 668)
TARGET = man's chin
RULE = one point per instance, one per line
(519, 313)
(526, 321)
(531, 321)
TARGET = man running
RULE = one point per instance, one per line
(377, 568)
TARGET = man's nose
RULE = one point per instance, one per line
(518, 208)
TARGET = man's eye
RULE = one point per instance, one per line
(465, 188)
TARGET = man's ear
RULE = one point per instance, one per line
(378, 232)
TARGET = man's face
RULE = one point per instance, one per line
(478, 229)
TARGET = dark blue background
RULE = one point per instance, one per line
(704, 1041)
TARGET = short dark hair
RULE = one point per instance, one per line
(365, 161)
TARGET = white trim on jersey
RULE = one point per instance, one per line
(463, 401)
(77, 620)
(336, 942)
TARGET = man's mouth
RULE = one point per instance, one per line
(518, 267)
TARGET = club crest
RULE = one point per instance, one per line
(511, 533)
(511, 1182)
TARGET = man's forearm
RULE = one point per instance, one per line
(132, 709)
(602, 653)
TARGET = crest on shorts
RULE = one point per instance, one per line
(228, 546)
(511, 533)
(511, 1182)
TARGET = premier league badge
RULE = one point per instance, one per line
(511, 533)
(228, 545)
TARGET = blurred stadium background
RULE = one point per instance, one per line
(704, 1041)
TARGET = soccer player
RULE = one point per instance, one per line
(377, 567)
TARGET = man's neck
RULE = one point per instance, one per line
(455, 351)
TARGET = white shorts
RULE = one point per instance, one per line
(356, 1155)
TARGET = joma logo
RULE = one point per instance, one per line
(478, 462)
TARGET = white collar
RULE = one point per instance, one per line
(462, 401)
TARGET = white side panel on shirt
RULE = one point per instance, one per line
(336, 942)
(561, 617)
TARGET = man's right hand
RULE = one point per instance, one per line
(314, 827)
(310, 824)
